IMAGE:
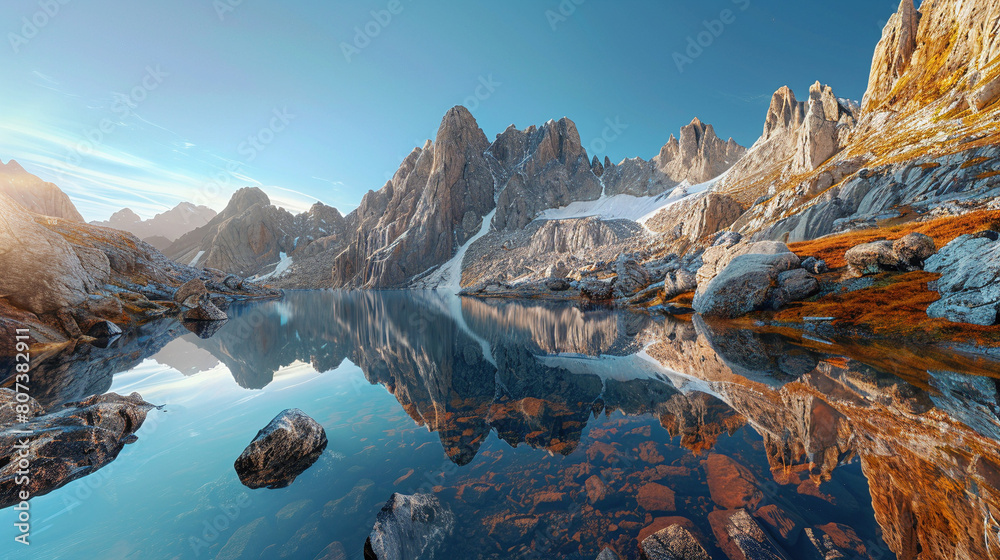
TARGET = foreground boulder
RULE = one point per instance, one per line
(63, 446)
(872, 258)
(970, 280)
(905, 254)
(631, 278)
(673, 543)
(283, 450)
(206, 310)
(749, 278)
(597, 290)
(409, 527)
(913, 249)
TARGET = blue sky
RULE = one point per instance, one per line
(197, 98)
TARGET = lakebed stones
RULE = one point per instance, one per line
(409, 527)
(62, 446)
(283, 450)
(970, 280)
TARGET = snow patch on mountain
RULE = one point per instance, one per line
(448, 277)
(627, 207)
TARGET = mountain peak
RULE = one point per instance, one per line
(12, 167)
(125, 216)
(785, 112)
(246, 198)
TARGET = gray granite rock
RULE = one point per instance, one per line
(970, 280)
(409, 527)
(282, 451)
(673, 543)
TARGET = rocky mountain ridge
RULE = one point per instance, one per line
(169, 225)
(34, 194)
(250, 236)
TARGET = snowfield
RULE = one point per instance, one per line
(627, 207)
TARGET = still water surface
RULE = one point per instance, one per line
(549, 431)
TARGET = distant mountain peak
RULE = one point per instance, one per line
(12, 167)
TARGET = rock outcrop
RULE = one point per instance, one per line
(907, 253)
(798, 137)
(696, 218)
(34, 194)
(169, 225)
(433, 205)
(409, 527)
(970, 280)
(67, 278)
(251, 237)
(283, 450)
(572, 236)
(945, 52)
(66, 444)
(43, 272)
(696, 157)
(737, 280)
(540, 168)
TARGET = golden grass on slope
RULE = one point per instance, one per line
(943, 230)
(896, 306)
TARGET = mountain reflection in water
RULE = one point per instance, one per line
(608, 424)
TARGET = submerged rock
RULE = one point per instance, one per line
(970, 280)
(75, 441)
(283, 450)
(608, 554)
(409, 527)
(673, 543)
(739, 536)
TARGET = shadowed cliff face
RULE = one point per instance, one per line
(921, 423)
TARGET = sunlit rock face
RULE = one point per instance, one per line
(251, 236)
(35, 195)
(943, 50)
(434, 203)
